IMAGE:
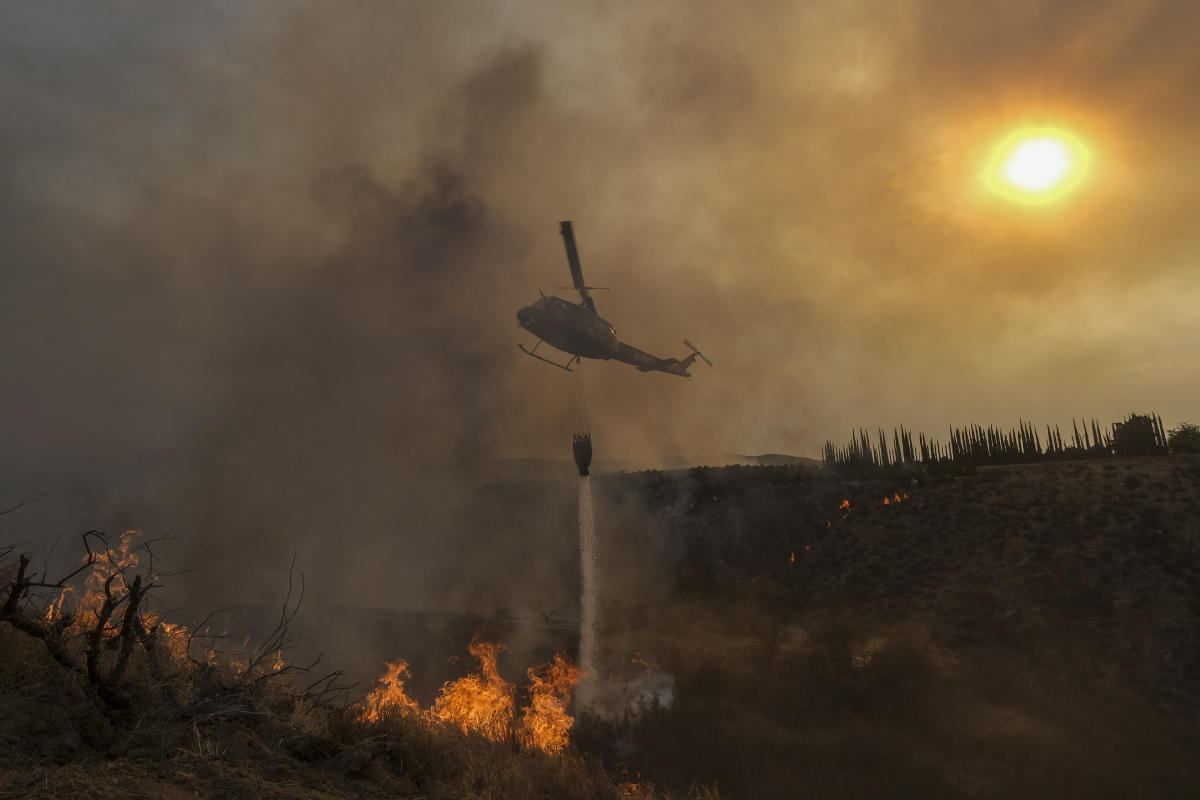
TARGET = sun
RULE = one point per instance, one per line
(1036, 165)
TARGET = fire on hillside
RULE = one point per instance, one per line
(483, 702)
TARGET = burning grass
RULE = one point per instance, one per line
(545, 723)
(484, 703)
(390, 696)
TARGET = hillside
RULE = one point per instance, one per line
(1018, 631)
(1108, 551)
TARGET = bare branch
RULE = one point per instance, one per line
(199, 628)
(88, 561)
(329, 686)
(17, 589)
(286, 669)
(129, 626)
(51, 635)
(278, 639)
(29, 500)
(49, 553)
(95, 636)
(146, 546)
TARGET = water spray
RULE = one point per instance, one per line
(581, 446)
(588, 600)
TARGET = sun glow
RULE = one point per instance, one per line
(1037, 165)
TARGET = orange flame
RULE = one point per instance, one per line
(55, 610)
(176, 639)
(845, 506)
(631, 786)
(113, 563)
(545, 723)
(482, 702)
(110, 564)
(389, 696)
(172, 636)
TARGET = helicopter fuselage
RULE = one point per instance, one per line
(570, 327)
(576, 328)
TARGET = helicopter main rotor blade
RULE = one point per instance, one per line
(568, 235)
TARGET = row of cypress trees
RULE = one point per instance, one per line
(1137, 434)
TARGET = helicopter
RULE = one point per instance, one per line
(580, 332)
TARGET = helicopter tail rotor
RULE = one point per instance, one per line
(696, 352)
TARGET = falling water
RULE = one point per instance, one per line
(588, 620)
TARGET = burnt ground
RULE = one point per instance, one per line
(1027, 630)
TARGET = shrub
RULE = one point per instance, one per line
(1185, 438)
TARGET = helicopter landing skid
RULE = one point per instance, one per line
(567, 366)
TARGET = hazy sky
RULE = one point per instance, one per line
(283, 243)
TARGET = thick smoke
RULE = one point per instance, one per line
(332, 383)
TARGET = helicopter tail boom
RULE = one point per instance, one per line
(648, 363)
